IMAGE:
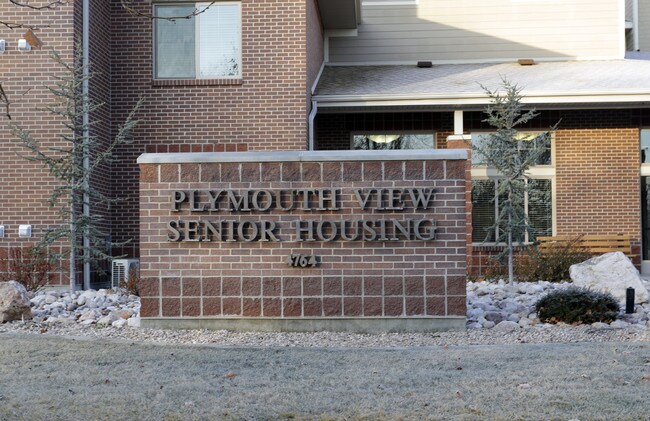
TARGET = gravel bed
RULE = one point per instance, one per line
(545, 334)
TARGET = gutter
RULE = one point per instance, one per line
(627, 96)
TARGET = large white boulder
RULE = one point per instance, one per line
(611, 272)
(14, 302)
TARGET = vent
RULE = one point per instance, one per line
(120, 270)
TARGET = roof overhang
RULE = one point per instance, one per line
(547, 85)
(340, 14)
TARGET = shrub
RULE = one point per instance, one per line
(577, 305)
(30, 266)
(132, 282)
(553, 264)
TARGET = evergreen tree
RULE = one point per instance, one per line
(77, 160)
(511, 154)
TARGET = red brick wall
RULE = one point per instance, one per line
(24, 77)
(354, 279)
(598, 182)
(265, 110)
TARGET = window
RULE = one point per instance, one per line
(208, 45)
(393, 141)
(545, 159)
(537, 205)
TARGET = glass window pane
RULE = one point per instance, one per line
(393, 141)
(645, 146)
(518, 211)
(543, 140)
(483, 216)
(478, 140)
(220, 39)
(174, 43)
(540, 207)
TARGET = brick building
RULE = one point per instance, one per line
(301, 75)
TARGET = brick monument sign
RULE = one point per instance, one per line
(340, 241)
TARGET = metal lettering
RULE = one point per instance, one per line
(213, 197)
(395, 199)
(174, 234)
(300, 230)
(420, 197)
(268, 200)
(238, 204)
(306, 200)
(267, 231)
(192, 231)
(278, 200)
(369, 233)
(344, 230)
(178, 197)
(321, 231)
(362, 200)
(193, 202)
(430, 232)
(327, 195)
(242, 230)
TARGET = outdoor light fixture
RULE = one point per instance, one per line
(25, 231)
(383, 138)
(629, 300)
(2, 231)
(2, 46)
(23, 45)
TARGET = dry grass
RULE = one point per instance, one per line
(55, 378)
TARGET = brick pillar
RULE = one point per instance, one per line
(464, 142)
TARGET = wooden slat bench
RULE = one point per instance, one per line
(594, 244)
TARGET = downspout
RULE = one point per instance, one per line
(312, 117)
(314, 110)
(635, 24)
(85, 122)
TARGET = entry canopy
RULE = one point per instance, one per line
(547, 85)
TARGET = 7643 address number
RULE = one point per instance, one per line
(302, 260)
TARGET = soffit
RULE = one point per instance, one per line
(340, 14)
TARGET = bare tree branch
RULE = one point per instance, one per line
(128, 6)
(5, 102)
(18, 25)
(48, 5)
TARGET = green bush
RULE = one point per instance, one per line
(552, 265)
(577, 305)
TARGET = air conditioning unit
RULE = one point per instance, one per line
(120, 270)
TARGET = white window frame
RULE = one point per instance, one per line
(394, 132)
(536, 172)
(198, 5)
(389, 2)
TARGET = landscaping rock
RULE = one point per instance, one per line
(507, 326)
(611, 272)
(14, 302)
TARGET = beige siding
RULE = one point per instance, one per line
(644, 25)
(454, 30)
